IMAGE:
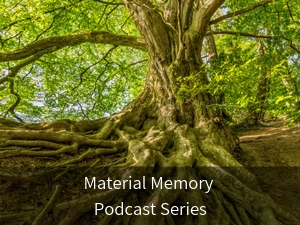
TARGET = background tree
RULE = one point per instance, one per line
(77, 56)
(238, 73)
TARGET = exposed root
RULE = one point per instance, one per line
(48, 207)
(29, 176)
(78, 208)
(25, 143)
(161, 148)
(107, 218)
(91, 153)
(19, 152)
(232, 212)
(55, 140)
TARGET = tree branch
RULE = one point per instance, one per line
(193, 36)
(203, 15)
(35, 18)
(13, 106)
(60, 42)
(294, 47)
(180, 31)
(290, 11)
(86, 69)
(47, 29)
(14, 70)
(109, 3)
(239, 12)
(143, 13)
(239, 33)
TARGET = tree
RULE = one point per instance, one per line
(257, 111)
(169, 129)
(239, 70)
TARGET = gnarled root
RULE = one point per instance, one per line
(157, 149)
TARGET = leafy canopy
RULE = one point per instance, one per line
(96, 75)
(85, 81)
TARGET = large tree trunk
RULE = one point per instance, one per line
(160, 134)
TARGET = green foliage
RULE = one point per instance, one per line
(238, 69)
(189, 86)
(86, 81)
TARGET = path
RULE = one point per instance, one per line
(273, 154)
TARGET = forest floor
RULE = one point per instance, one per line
(272, 153)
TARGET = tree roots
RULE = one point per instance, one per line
(157, 148)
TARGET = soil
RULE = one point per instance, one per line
(271, 152)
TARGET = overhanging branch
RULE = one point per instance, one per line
(239, 33)
(71, 40)
(86, 69)
(294, 47)
(14, 70)
(110, 3)
(239, 12)
(16, 103)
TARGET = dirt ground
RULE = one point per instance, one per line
(272, 152)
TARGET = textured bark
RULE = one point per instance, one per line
(52, 44)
